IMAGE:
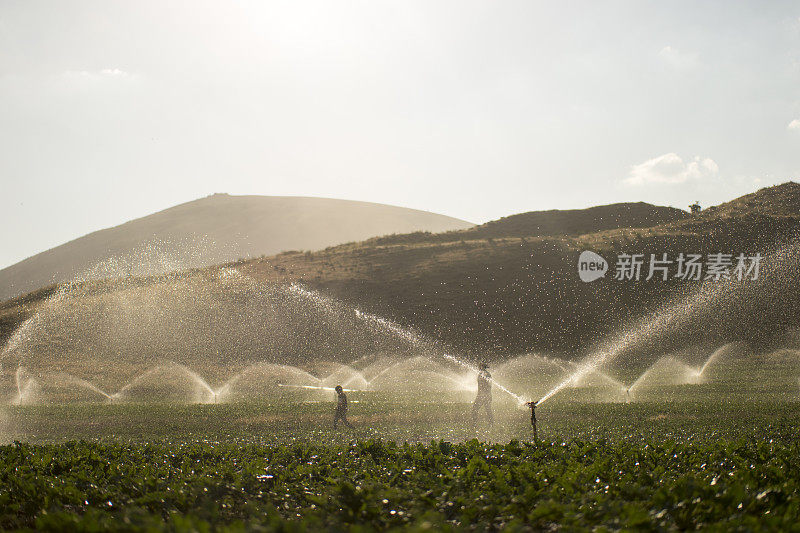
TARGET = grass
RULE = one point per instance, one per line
(652, 465)
(391, 418)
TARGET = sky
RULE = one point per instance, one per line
(112, 110)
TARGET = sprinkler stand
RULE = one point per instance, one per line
(532, 406)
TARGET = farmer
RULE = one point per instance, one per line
(341, 408)
(484, 397)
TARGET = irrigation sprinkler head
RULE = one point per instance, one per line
(532, 406)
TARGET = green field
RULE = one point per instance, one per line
(280, 466)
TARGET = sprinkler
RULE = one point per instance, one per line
(532, 406)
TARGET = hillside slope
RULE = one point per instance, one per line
(490, 297)
(217, 229)
(555, 222)
(522, 293)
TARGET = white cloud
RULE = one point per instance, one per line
(114, 72)
(678, 59)
(93, 80)
(96, 75)
(794, 125)
(671, 168)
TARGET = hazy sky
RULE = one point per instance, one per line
(113, 110)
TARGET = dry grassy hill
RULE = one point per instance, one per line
(214, 230)
(519, 293)
(522, 293)
(554, 222)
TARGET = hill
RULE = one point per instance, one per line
(485, 297)
(555, 222)
(515, 294)
(217, 229)
(780, 200)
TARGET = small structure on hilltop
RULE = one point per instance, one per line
(695, 208)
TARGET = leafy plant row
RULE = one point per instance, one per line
(750, 483)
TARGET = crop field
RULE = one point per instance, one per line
(655, 465)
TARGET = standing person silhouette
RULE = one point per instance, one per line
(341, 408)
(484, 396)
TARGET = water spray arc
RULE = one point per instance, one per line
(67, 378)
(677, 315)
(519, 399)
(669, 370)
(25, 386)
(23, 332)
(383, 324)
(437, 368)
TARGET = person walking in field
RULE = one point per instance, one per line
(341, 408)
(484, 396)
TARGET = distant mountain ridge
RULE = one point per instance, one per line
(493, 296)
(579, 221)
(556, 222)
(217, 229)
(777, 201)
